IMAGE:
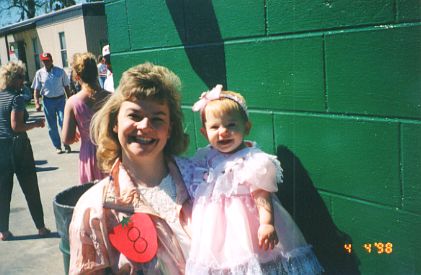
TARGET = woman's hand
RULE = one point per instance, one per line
(267, 236)
(40, 123)
(76, 137)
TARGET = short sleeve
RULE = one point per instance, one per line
(262, 171)
(36, 84)
(18, 103)
(186, 168)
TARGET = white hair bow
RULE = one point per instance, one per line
(206, 97)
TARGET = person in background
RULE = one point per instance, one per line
(238, 225)
(102, 70)
(52, 83)
(78, 113)
(139, 133)
(109, 81)
(16, 156)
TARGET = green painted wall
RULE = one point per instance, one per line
(334, 89)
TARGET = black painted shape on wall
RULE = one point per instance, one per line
(301, 199)
(199, 32)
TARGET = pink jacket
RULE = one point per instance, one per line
(102, 207)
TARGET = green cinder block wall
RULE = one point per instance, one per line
(333, 88)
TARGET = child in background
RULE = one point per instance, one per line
(238, 224)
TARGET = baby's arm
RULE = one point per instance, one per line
(266, 234)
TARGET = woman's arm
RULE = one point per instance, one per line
(19, 125)
(68, 132)
(266, 234)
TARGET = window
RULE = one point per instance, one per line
(36, 53)
(63, 49)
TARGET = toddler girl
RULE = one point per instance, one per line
(238, 224)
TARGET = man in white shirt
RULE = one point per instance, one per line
(52, 83)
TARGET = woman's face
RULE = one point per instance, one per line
(143, 128)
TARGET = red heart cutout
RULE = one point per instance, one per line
(136, 238)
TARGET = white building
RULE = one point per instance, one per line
(78, 28)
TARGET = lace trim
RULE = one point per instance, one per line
(162, 198)
(300, 261)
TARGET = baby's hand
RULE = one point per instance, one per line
(267, 236)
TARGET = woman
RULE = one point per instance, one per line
(16, 155)
(138, 131)
(78, 113)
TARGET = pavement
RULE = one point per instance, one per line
(27, 253)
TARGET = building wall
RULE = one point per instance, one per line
(84, 27)
(96, 33)
(3, 50)
(74, 30)
(333, 88)
(25, 37)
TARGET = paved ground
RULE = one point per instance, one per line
(28, 254)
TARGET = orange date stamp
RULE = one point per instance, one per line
(376, 247)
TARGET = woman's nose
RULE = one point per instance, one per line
(143, 124)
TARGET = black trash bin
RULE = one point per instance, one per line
(63, 206)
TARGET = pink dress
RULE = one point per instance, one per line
(88, 168)
(225, 218)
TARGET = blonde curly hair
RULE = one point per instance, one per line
(142, 82)
(11, 72)
(84, 65)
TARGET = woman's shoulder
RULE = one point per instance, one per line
(93, 196)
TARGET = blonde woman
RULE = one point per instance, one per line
(78, 113)
(139, 132)
(15, 149)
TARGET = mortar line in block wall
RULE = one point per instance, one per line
(359, 117)
(400, 159)
(265, 16)
(364, 201)
(395, 9)
(325, 94)
(128, 25)
(272, 117)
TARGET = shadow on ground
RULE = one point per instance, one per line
(33, 237)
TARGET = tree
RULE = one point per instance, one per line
(27, 8)
(30, 8)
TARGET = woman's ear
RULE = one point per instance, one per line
(115, 128)
(247, 128)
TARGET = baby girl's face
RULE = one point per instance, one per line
(225, 132)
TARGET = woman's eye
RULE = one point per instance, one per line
(157, 120)
(134, 117)
(230, 125)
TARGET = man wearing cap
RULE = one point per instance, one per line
(52, 83)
